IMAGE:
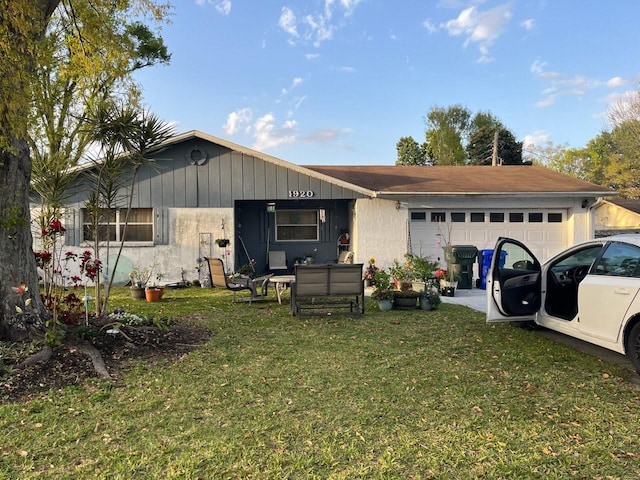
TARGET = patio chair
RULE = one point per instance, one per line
(278, 261)
(257, 286)
(345, 257)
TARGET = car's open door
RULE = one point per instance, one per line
(513, 283)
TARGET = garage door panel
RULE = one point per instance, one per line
(517, 233)
(458, 236)
(494, 234)
(544, 238)
(555, 236)
(535, 235)
(478, 236)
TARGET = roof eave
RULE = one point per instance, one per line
(504, 194)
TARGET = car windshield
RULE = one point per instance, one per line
(585, 256)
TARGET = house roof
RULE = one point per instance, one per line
(263, 156)
(381, 180)
(631, 204)
(461, 180)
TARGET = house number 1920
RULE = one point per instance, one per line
(301, 193)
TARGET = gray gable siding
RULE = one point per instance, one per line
(171, 181)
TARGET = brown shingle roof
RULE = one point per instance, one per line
(460, 180)
(631, 204)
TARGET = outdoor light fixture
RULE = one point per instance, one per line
(398, 205)
(271, 207)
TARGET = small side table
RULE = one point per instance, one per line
(281, 283)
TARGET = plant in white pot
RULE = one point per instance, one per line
(383, 292)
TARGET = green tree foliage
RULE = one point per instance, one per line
(455, 137)
(611, 159)
(480, 147)
(481, 138)
(410, 152)
(126, 136)
(445, 134)
(64, 92)
(623, 169)
(23, 48)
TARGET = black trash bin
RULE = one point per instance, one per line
(460, 259)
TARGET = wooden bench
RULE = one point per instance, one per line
(318, 289)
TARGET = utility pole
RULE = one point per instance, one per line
(494, 154)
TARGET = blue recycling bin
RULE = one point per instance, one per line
(484, 264)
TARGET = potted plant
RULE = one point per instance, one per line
(370, 273)
(405, 298)
(309, 257)
(420, 269)
(222, 242)
(139, 278)
(383, 292)
(448, 282)
(402, 274)
(430, 298)
(154, 292)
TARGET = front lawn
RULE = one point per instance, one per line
(399, 394)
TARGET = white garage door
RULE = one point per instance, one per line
(542, 231)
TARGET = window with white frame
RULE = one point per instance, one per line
(111, 222)
(297, 225)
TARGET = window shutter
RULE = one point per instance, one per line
(71, 222)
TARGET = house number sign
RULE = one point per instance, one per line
(301, 193)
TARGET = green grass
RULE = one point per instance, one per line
(399, 394)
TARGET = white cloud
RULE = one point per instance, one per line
(287, 21)
(311, 56)
(299, 101)
(327, 135)
(616, 82)
(296, 82)
(430, 26)
(528, 24)
(224, 7)
(481, 27)
(266, 135)
(320, 29)
(535, 139)
(237, 120)
(558, 84)
(319, 26)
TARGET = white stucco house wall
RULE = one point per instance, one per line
(202, 188)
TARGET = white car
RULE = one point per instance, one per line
(589, 291)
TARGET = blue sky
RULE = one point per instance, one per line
(319, 82)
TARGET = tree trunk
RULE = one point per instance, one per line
(22, 312)
(22, 24)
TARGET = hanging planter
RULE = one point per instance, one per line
(222, 242)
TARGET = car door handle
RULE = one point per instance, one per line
(621, 291)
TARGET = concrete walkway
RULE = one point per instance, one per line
(473, 298)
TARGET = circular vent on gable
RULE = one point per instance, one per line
(197, 157)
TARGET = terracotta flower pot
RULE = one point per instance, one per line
(153, 294)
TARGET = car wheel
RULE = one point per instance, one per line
(632, 348)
